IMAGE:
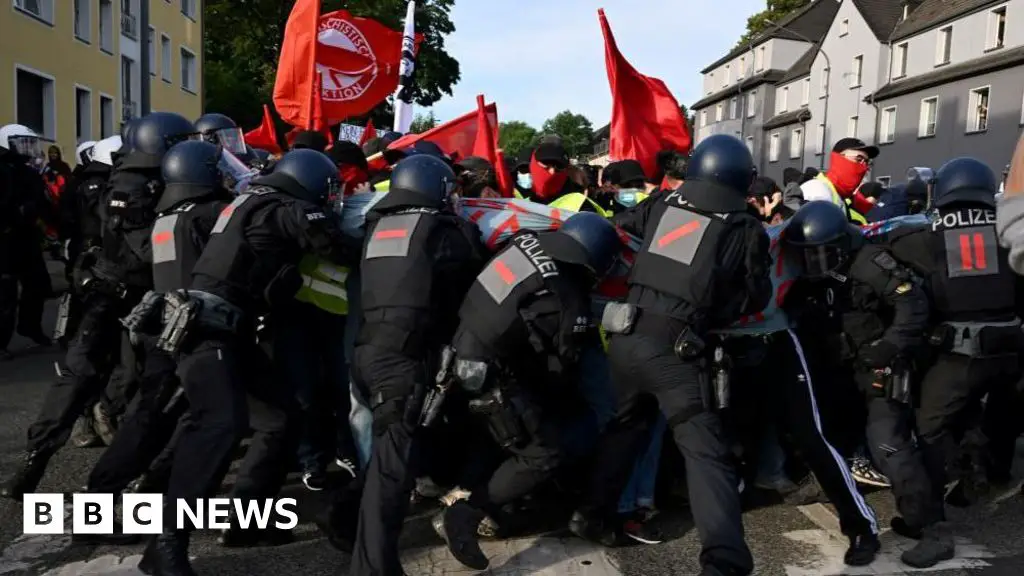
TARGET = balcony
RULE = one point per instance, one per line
(127, 110)
(129, 26)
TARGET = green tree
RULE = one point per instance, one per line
(516, 136)
(576, 131)
(776, 11)
(243, 40)
(421, 123)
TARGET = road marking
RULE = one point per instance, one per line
(829, 560)
(107, 565)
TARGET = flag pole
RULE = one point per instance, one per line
(403, 97)
(314, 73)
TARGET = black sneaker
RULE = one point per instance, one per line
(639, 528)
(592, 529)
(460, 525)
(862, 550)
(314, 480)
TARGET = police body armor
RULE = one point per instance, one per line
(127, 222)
(175, 247)
(680, 251)
(89, 196)
(972, 290)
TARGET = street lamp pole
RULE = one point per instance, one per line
(828, 91)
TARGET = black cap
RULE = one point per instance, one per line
(790, 175)
(552, 153)
(629, 173)
(473, 164)
(856, 144)
(310, 139)
(523, 161)
(347, 153)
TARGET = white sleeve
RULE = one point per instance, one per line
(816, 190)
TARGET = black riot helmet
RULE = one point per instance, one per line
(219, 129)
(425, 176)
(156, 133)
(189, 170)
(585, 239)
(723, 160)
(964, 180)
(305, 174)
(821, 233)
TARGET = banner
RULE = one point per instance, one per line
(354, 133)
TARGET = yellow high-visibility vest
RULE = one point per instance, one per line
(384, 186)
(574, 201)
(846, 205)
(323, 285)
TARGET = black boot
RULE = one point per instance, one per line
(27, 478)
(899, 525)
(862, 551)
(167, 555)
(461, 521)
(936, 545)
(341, 519)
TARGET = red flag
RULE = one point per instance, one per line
(319, 121)
(486, 144)
(456, 137)
(265, 136)
(359, 59)
(646, 118)
(369, 133)
(504, 178)
(296, 78)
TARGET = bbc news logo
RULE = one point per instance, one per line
(144, 513)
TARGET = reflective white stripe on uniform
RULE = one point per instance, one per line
(328, 270)
(324, 287)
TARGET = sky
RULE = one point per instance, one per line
(536, 58)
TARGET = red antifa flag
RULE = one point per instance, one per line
(486, 144)
(456, 137)
(359, 59)
(296, 67)
(646, 118)
(264, 137)
(369, 133)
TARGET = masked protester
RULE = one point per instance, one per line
(626, 185)
(476, 178)
(523, 178)
(352, 165)
(848, 164)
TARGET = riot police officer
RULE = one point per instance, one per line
(418, 261)
(522, 327)
(192, 200)
(975, 327)
(884, 315)
(220, 130)
(248, 267)
(113, 279)
(704, 263)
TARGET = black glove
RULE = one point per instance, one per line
(879, 354)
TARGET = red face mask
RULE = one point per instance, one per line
(845, 174)
(352, 176)
(545, 184)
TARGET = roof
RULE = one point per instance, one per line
(811, 21)
(881, 16)
(768, 76)
(801, 67)
(787, 118)
(988, 63)
(603, 132)
(932, 13)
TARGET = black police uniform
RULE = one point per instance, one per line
(418, 261)
(187, 212)
(975, 325)
(248, 266)
(522, 327)
(704, 263)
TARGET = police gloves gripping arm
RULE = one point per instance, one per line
(895, 285)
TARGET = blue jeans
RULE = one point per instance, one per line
(639, 492)
(309, 353)
(360, 417)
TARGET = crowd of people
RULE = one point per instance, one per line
(795, 340)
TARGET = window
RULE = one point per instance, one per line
(188, 8)
(703, 118)
(711, 83)
(188, 70)
(152, 51)
(129, 23)
(83, 114)
(824, 82)
(977, 110)
(734, 108)
(106, 116)
(856, 70)
(106, 26)
(796, 143)
(759, 59)
(83, 20)
(718, 112)
(752, 104)
(127, 102)
(819, 141)
(996, 28)
(899, 61)
(929, 112)
(773, 148)
(727, 77)
(40, 9)
(165, 57)
(943, 46)
(743, 68)
(805, 98)
(888, 126)
(783, 101)
(883, 180)
(36, 101)
(844, 27)
(851, 126)
(750, 144)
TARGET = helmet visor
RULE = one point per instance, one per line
(234, 171)
(29, 146)
(820, 260)
(232, 140)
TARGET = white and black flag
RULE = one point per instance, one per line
(403, 94)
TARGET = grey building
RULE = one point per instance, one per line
(786, 130)
(955, 86)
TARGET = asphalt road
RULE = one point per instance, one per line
(785, 540)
